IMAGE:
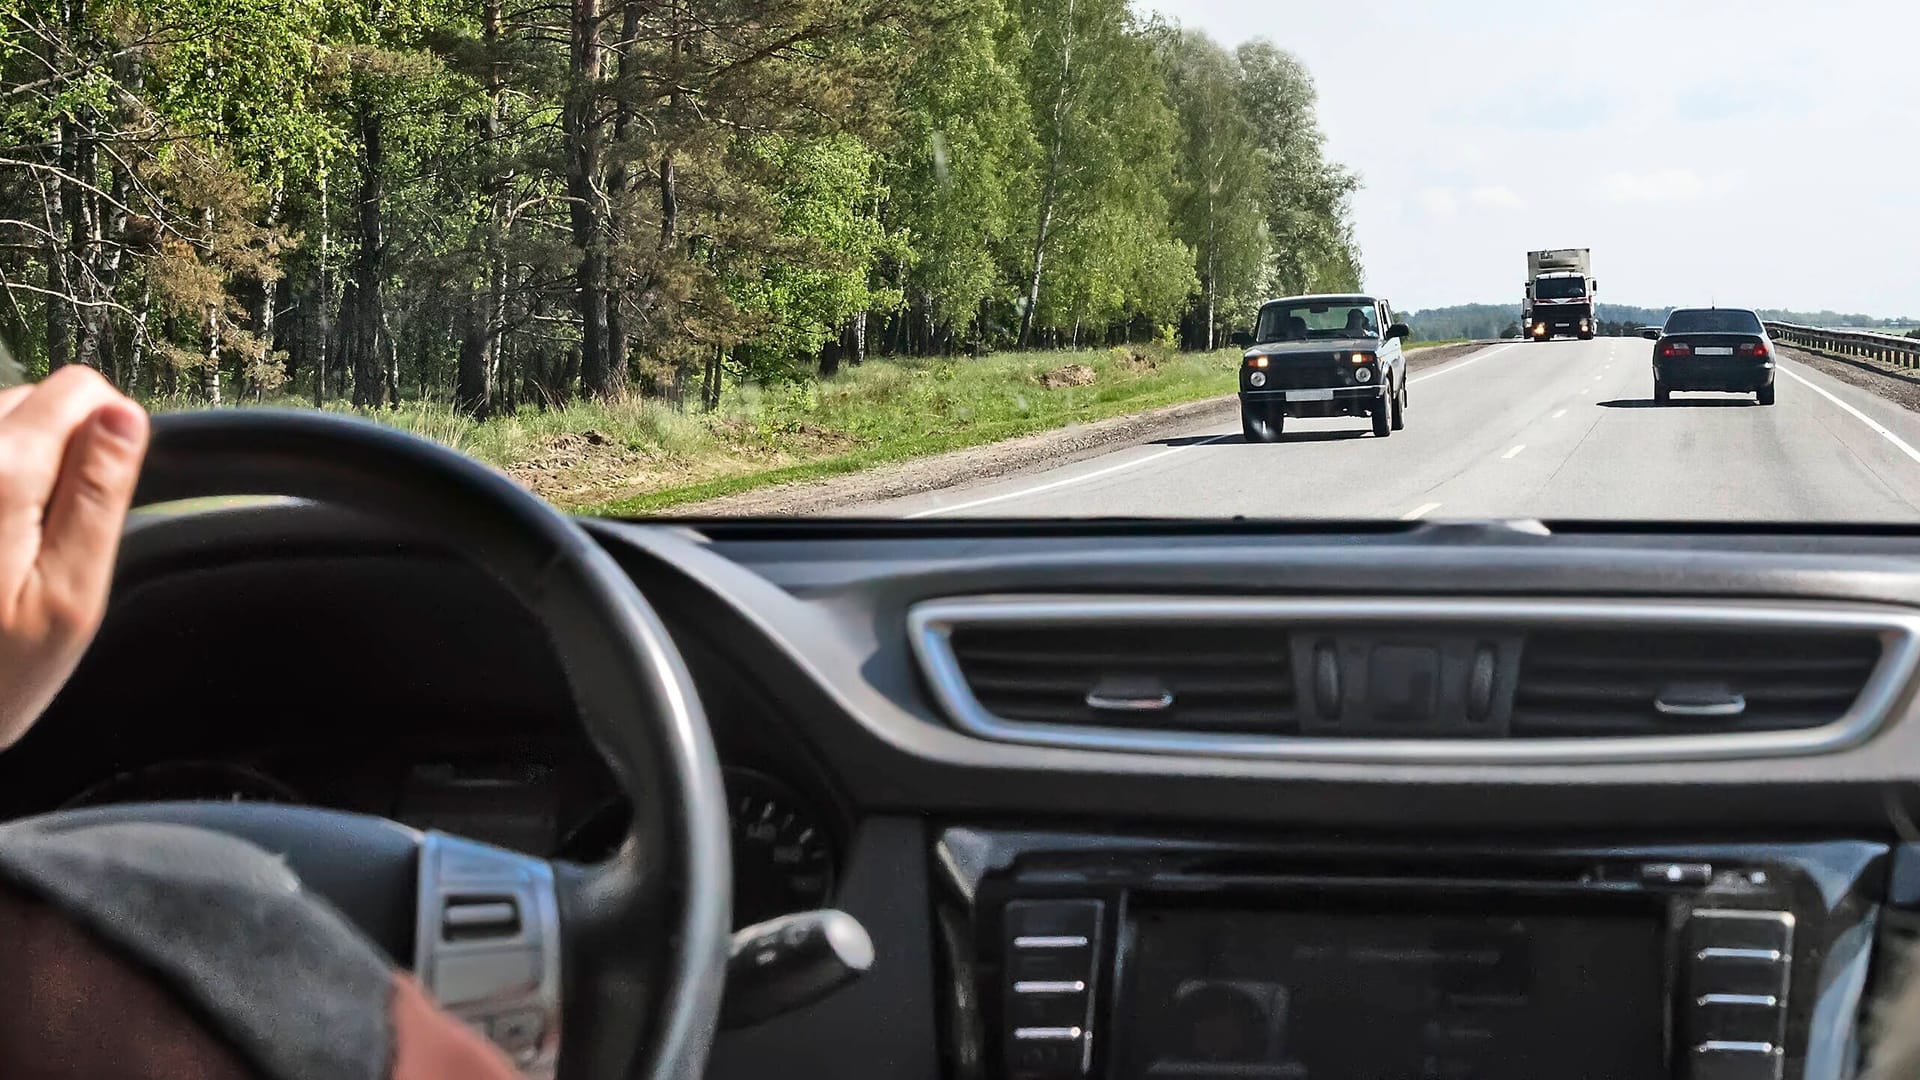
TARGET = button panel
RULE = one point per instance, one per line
(1052, 958)
(1739, 970)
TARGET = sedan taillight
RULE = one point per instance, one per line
(1676, 348)
(1753, 348)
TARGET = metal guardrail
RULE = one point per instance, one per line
(1886, 348)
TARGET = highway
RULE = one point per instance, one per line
(1557, 430)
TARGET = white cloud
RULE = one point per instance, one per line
(1663, 186)
(1615, 144)
(1437, 202)
(1496, 197)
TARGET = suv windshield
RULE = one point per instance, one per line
(1562, 288)
(1349, 317)
(781, 257)
(1712, 321)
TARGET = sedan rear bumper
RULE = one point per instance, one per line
(1730, 377)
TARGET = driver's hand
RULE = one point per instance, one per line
(70, 451)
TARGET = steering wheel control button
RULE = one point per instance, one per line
(465, 919)
(487, 945)
(475, 977)
(1047, 1005)
(518, 1032)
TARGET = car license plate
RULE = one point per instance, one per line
(1309, 395)
(1714, 350)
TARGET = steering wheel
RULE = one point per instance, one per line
(611, 971)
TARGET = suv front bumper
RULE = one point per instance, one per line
(1337, 400)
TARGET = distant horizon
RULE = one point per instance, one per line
(1515, 305)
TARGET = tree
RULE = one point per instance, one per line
(1220, 205)
(1308, 198)
(959, 176)
(1106, 139)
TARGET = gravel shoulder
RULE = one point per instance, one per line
(1897, 384)
(1013, 457)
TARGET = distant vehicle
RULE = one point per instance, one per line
(1559, 294)
(1323, 356)
(1724, 349)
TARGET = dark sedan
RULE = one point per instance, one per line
(1724, 349)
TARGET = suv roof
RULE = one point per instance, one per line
(1332, 298)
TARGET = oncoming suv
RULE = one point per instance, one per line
(1323, 356)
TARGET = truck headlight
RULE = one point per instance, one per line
(1364, 374)
(1258, 378)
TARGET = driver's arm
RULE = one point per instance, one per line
(70, 451)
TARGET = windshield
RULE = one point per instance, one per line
(1713, 322)
(1560, 288)
(997, 258)
(1351, 317)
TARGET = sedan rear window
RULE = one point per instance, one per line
(1716, 321)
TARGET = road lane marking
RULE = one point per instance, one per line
(1476, 358)
(1419, 512)
(1037, 489)
(1558, 415)
(1513, 453)
(1896, 440)
(1097, 473)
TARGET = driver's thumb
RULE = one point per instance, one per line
(89, 508)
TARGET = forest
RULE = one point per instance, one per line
(1488, 321)
(504, 205)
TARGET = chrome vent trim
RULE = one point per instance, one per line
(930, 624)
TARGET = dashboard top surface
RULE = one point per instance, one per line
(814, 616)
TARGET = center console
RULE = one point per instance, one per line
(1135, 958)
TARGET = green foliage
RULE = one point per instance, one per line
(506, 205)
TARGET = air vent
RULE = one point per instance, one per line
(1410, 680)
(1173, 677)
(1641, 681)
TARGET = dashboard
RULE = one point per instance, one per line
(1080, 780)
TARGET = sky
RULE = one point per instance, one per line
(1751, 154)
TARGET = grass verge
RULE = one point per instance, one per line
(638, 456)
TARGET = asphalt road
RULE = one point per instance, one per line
(1565, 429)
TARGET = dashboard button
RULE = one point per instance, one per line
(1726, 1060)
(1736, 929)
(1052, 923)
(1676, 873)
(1719, 970)
(1739, 1018)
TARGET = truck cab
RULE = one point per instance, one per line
(1559, 295)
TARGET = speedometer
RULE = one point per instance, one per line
(187, 781)
(783, 851)
(782, 855)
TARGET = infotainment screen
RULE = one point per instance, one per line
(1403, 995)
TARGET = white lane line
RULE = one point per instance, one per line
(1901, 444)
(1097, 473)
(1513, 453)
(1558, 415)
(1094, 475)
(1419, 512)
(1450, 368)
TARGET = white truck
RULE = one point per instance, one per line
(1559, 294)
